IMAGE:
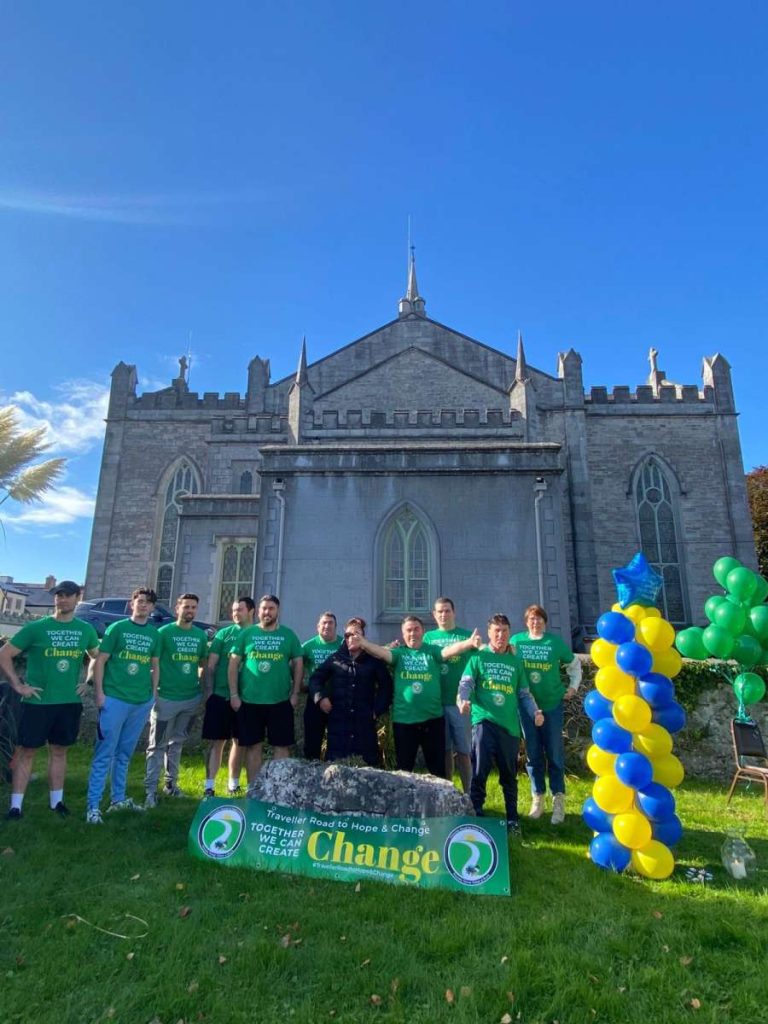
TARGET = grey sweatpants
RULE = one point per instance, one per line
(168, 728)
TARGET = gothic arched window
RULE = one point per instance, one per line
(659, 534)
(246, 482)
(407, 566)
(237, 562)
(181, 479)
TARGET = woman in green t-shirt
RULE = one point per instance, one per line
(542, 654)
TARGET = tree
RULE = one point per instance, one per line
(21, 477)
(757, 494)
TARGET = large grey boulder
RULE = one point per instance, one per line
(341, 789)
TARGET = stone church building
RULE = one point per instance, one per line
(414, 462)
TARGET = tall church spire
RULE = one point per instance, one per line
(412, 303)
(521, 368)
(301, 372)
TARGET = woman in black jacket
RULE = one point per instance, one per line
(353, 689)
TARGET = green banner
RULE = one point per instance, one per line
(460, 853)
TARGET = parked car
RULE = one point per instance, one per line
(102, 611)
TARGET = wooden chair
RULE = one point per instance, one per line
(748, 742)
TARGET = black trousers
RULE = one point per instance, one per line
(493, 744)
(430, 736)
(315, 724)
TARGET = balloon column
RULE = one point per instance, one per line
(737, 630)
(634, 711)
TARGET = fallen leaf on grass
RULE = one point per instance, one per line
(450, 998)
(185, 911)
(180, 886)
(465, 991)
(110, 1011)
(511, 996)
(222, 960)
(129, 956)
(376, 1000)
(365, 962)
(394, 985)
(506, 1019)
(285, 941)
(658, 915)
(358, 887)
(193, 986)
(135, 878)
(665, 949)
(8, 851)
(686, 961)
(342, 938)
(331, 1013)
(505, 960)
(695, 1004)
(622, 988)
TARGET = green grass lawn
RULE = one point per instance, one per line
(210, 943)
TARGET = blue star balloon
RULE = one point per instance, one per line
(637, 582)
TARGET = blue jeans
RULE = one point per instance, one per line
(545, 749)
(118, 732)
(491, 744)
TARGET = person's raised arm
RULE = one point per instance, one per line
(376, 650)
(472, 643)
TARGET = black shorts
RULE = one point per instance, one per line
(58, 724)
(254, 721)
(219, 720)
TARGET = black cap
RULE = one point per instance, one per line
(66, 587)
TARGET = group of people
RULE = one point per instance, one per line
(463, 701)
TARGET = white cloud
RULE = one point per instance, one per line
(58, 507)
(74, 422)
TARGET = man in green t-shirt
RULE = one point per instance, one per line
(51, 697)
(542, 654)
(321, 646)
(493, 686)
(417, 713)
(125, 679)
(220, 721)
(266, 668)
(458, 735)
(183, 651)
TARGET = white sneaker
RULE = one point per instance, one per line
(558, 808)
(537, 805)
(93, 816)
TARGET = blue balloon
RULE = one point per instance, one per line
(597, 706)
(596, 818)
(608, 735)
(608, 853)
(615, 628)
(634, 659)
(671, 717)
(657, 690)
(637, 582)
(669, 831)
(634, 770)
(656, 802)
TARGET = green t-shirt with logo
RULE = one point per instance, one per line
(131, 648)
(542, 660)
(316, 651)
(418, 693)
(54, 657)
(451, 670)
(265, 670)
(180, 653)
(497, 678)
(221, 645)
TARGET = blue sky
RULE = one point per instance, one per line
(242, 174)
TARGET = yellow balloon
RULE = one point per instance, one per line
(632, 829)
(656, 633)
(603, 653)
(652, 613)
(654, 860)
(632, 713)
(667, 663)
(636, 612)
(600, 761)
(654, 741)
(616, 607)
(612, 683)
(611, 795)
(668, 770)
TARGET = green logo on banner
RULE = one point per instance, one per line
(222, 831)
(470, 855)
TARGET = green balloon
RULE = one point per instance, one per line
(747, 650)
(718, 641)
(731, 617)
(711, 605)
(741, 583)
(761, 590)
(758, 618)
(690, 643)
(722, 567)
(749, 687)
